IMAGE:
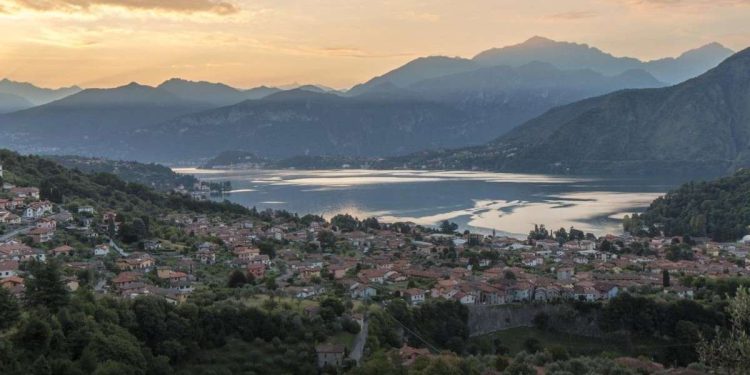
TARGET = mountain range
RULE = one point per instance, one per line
(701, 126)
(429, 103)
(563, 55)
(16, 96)
(449, 111)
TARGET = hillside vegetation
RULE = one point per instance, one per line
(718, 209)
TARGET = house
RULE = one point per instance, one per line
(11, 282)
(62, 250)
(376, 276)
(136, 261)
(680, 291)
(20, 252)
(173, 277)
(101, 250)
(36, 210)
(304, 292)
(362, 291)
(606, 290)
(522, 291)
(86, 210)
(585, 293)
(246, 253)
(25, 192)
(206, 256)
(8, 268)
(565, 274)
(464, 298)
(41, 235)
(46, 223)
(257, 270)
(414, 296)
(152, 245)
(109, 216)
(126, 280)
(330, 355)
(9, 218)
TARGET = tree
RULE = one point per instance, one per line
(730, 353)
(9, 310)
(561, 236)
(345, 223)
(237, 279)
(532, 345)
(538, 233)
(45, 286)
(327, 239)
(33, 336)
(665, 278)
(448, 227)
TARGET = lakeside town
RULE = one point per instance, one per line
(304, 259)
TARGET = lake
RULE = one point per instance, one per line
(508, 203)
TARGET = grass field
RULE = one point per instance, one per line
(514, 338)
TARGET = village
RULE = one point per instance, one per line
(277, 255)
(384, 261)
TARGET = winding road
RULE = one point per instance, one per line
(359, 343)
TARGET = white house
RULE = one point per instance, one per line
(8, 268)
(414, 296)
(101, 250)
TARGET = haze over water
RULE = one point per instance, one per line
(478, 201)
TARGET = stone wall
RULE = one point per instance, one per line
(562, 317)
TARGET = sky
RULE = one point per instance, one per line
(338, 43)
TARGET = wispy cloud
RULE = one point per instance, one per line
(686, 3)
(419, 16)
(221, 7)
(572, 15)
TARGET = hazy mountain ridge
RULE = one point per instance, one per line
(11, 103)
(566, 55)
(429, 103)
(35, 95)
(299, 122)
(449, 111)
(700, 126)
(218, 94)
(91, 121)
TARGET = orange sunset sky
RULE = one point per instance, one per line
(245, 43)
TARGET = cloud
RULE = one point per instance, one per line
(573, 15)
(419, 16)
(220, 7)
(683, 3)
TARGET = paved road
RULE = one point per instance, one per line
(100, 285)
(14, 233)
(113, 245)
(359, 343)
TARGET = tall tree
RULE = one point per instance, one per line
(9, 311)
(45, 286)
(730, 353)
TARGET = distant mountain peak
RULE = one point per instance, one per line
(299, 93)
(539, 40)
(709, 49)
(35, 95)
(133, 84)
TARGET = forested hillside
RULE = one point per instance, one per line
(153, 175)
(718, 209)
(101, 190)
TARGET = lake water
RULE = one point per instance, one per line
(480, 201)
